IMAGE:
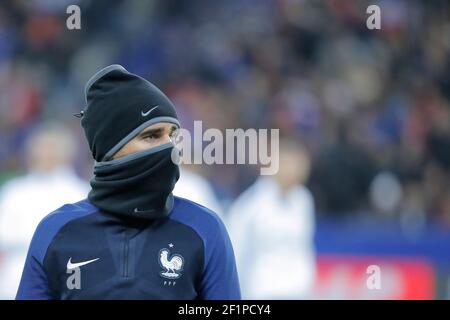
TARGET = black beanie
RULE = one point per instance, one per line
(121, 104)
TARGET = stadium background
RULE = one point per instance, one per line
(372, 106)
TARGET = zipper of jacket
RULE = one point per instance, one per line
(125, 261)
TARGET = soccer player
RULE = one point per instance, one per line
(131, 238)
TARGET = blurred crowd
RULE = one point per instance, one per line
(371, 106)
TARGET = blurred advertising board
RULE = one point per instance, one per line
(346, 277)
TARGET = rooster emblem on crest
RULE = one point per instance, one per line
(172, 264)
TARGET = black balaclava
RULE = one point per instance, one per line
(119, 106)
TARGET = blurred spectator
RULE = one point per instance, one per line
(24, 201)
(271, 226)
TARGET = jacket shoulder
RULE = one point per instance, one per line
(188, 210)
(50, 225)
(204, 221)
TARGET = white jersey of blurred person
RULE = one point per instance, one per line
(272, 227)
(24, 201)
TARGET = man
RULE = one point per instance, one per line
(272, 227)
(131, 238)
(25, 200)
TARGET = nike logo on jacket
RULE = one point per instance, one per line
(71, 265)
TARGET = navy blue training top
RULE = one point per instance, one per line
(80, 252)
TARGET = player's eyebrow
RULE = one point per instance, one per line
(155, 131)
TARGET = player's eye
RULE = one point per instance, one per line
(152, 136)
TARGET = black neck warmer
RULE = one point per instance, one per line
(138, 185)
(119, 106)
